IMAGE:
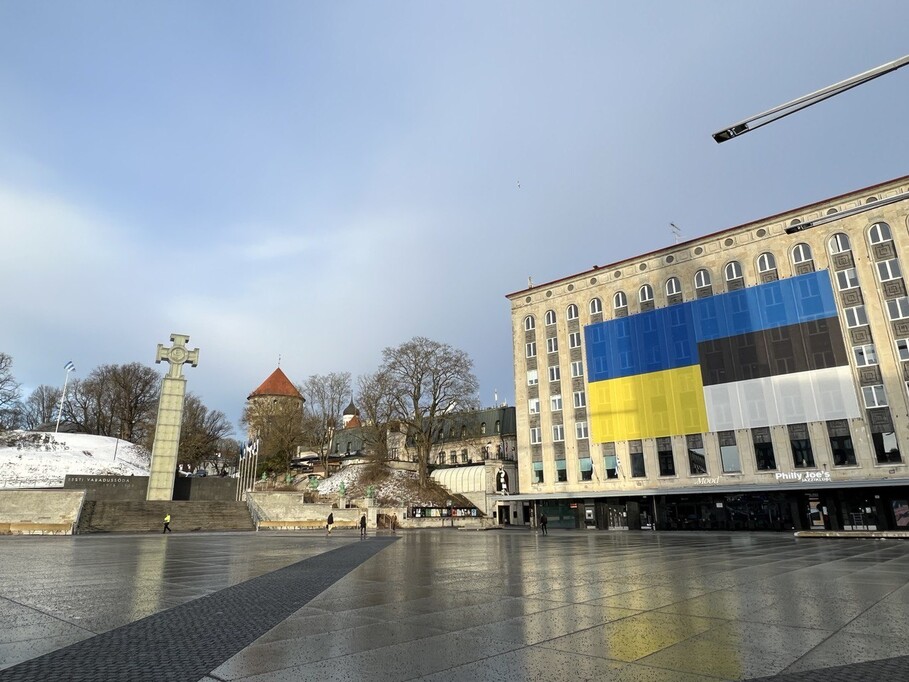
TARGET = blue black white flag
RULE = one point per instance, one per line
(69, 366)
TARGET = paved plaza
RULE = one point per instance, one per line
(453, 605)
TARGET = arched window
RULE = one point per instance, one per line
(550, 317)
(733, 270)
(879, 233)
(572, 312)
(596, 306)
(673, 286)
(801, 253)
(483, 428)
(701, 279)
(839, 243)
(645, 294)
(463, 431)
(766, 262)
(620, 300)
(498, 426)
(529, 324)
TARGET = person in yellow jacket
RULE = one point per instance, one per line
(167, 524)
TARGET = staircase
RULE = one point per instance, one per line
(148, 517)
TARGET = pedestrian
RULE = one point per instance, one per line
(330, 522)
(363, 526)
(166, 524)
(543, 521)
(394, 523)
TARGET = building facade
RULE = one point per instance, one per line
(754, 378)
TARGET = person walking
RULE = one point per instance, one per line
(363, 526)
(330, 522)
(543, 521)
(166, 524)
(394, 522)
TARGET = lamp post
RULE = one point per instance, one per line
(69, 367)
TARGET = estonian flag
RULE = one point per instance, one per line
(69, 366)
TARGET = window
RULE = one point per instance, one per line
(580, 430)
(874, 396)
(701, 279)
(841, 443)
(555, 403)
(498, 426)
(483, 428)
(733, 271)
(561, 471)
(538, 472)
(572, 312)
(610, 461)
(586, 464)
(729, 453)
(864, 355)
(577, 369)
(801, 253)
(898, 308)
(645, 294)
(464, 458)
(441, 457)
(636, 455)
(886, 447)
(535, 435)
(596, 306)
(839, 243)
(697, 459)
(763, 449)
(888, 269)
(673, 286)
(580, 399)
(550, 317)
(529, 323)
(846, 279)
(532, 378)
(558, 433)
(879, 233)
(620, 300)
(902, 349)
(664, 456)
(530, 349)
(766, 262)
(555, 374)
(574, 340)
(856, 317)
(552, 345)
(533, 406)
(802, 454)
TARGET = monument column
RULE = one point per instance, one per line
(170, 418)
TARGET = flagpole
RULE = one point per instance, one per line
(69, 367)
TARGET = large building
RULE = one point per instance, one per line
(754, 378)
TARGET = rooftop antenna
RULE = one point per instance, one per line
(677, 231)
(279, 359)
(495, 396)
(529, 282)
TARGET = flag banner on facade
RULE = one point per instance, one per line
(69, 366)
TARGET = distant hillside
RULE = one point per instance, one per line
(41, 459)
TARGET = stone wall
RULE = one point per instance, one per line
(39, 511)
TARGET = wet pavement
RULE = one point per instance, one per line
(453, 605)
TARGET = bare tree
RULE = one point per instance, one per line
(10, 409)
(376, 406)
(326, 395)
(201, 433)
(427, 380)
(41, 407)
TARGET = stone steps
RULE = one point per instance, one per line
(148, 517)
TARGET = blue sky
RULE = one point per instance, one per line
(320, 180)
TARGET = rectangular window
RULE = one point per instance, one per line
(561, 471)
(763, 449)
(697, 459)
(898, 308)
(664, 456)
(802, 454)
(864, 355)
(886, 447)
(535, 435)
(574, 340)
(902, 349)
(846, 279)
(856, 317)
(874, 396)
(555, 402)
(841, 443)
(729, 452)
(554, 373)
(888, 269)
(442, 457)
(580, 430)
(530, 349)
(586, 465)
(532, 377)
(552, 345)
(580, 399)
(577, 369)
(610, 461)
(533, 406)
(538, 472)
(558, 433)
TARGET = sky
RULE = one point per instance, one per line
(321, 180)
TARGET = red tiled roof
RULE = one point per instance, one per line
(277, 384)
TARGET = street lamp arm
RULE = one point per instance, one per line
(783, 110)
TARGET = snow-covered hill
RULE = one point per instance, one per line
(34, 459)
